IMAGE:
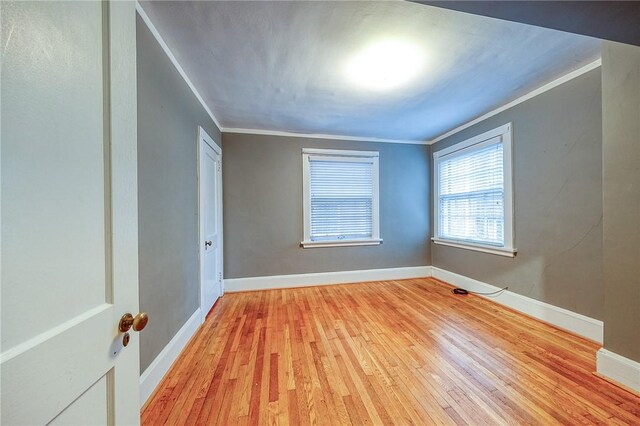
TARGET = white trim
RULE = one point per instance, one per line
(545, 88)
(618, 368)
(331, 158)
(203, 137)
(320, 136)
(500, 251)
(371, 157)
(341, 152)
(505, 134)
(175, 62)
(325, 278)
(153, 375)
(562, 318)
(490, 134)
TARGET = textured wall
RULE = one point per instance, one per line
(621, 189)
(558, 200)
(168, 119)
(263, 221)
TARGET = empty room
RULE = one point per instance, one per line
(320, 212)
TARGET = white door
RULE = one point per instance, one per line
(210, 221)
(69, 213)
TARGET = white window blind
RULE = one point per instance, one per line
(341, 199)
(471, 198)
(341, 194)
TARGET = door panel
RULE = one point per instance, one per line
(53, 167)
(49, 372)
(211, 176)
(68, 212)
(88, 409)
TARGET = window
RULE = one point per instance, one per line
(473, 193)
(341, 205)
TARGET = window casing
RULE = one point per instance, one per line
(473, 193)
(341, 198)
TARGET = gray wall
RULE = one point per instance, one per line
(263, 221)
(558, 200)
(168, 119)
(621, 190)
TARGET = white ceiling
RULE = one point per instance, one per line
(279, 66)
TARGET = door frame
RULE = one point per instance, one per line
(204, 138)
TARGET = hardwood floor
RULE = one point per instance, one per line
(393, 352)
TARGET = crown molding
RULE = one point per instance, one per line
(552, 84)
(174, 61)
(319, 136)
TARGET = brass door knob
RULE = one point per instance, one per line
(139, 322)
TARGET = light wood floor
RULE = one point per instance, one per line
(394, 352)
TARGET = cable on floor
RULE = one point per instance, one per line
(462, 291)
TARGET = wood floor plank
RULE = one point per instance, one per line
(389, 352)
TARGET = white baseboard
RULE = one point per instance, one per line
(619, 369)
(562, 318)
(152, 376)
(324, 278)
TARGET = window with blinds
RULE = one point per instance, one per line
(473, 198)
(341, 197)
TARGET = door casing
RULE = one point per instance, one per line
(204, 138)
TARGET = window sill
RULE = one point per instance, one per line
(477, 247)
(340, 243)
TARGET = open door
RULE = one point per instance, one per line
(210, 200)
(68, 213)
